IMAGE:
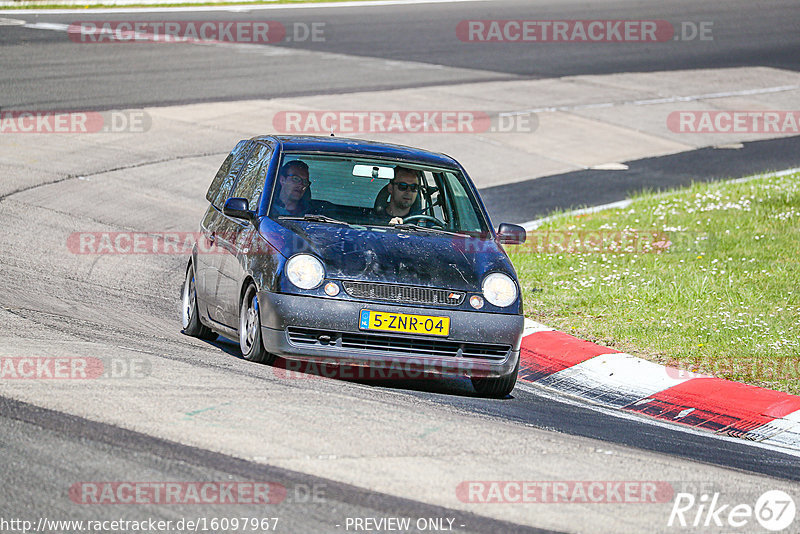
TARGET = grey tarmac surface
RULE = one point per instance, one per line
(55, 453)
(196, 410)
(410, 442)
(373, 48)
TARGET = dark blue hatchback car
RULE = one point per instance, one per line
(343, 251)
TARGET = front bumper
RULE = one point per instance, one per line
(326, 331)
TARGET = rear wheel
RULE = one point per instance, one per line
(496, 387)
(250, 329)
(190, 319)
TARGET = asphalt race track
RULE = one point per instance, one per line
(179, 410)
(42, 70)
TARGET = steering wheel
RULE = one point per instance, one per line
(430, 218)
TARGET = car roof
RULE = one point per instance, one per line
(343, 145)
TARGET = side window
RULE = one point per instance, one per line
(251, 182)
(433, 182)
(465, 210)
(226, 175)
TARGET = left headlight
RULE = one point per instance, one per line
(499, 289)
(305, 271)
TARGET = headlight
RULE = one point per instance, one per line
(305, 271)
(499, 289)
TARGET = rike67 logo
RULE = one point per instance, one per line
(774, 510)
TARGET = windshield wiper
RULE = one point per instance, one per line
(313, 217)
(412, 226)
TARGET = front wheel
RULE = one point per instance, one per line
(496, 387)
(190, 319)
(250, 329)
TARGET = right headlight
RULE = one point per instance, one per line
(499, 289)
(305, 271)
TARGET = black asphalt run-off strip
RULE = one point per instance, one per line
(532, 199)
(122, 439)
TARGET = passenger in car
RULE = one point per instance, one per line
(403, 197)
(295, 194)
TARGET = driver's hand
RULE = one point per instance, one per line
(396, 220)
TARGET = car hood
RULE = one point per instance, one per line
(392, 256)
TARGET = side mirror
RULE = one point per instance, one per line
(238, 208)
(511, 234)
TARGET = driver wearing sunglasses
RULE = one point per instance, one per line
(403, 191)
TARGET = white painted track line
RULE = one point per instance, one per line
(239, 7)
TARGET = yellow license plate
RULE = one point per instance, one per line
(403, 322)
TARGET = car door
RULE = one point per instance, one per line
(208, 252)
(234, 235)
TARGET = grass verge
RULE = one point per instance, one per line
(704, 278)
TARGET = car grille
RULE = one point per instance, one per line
(348, 341)
(404, 294)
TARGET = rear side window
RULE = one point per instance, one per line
(251, 182)
(226, 175)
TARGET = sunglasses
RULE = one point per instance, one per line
(402, 186)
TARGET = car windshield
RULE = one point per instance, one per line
(373, 192)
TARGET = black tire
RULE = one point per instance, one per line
(250, 329)
(190, 317)
(496, 387)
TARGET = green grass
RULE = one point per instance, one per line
(33, 4)
(705, 279)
